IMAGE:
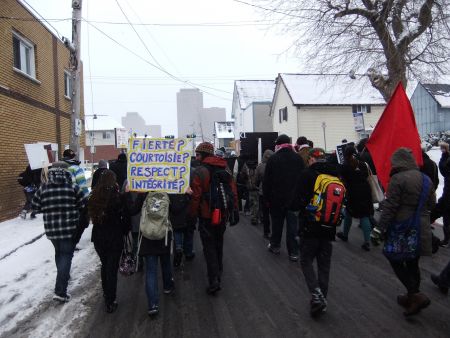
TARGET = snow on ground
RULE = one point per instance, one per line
(435, 155)
(28, 274)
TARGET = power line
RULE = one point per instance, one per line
(160, 69)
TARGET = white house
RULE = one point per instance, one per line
(325, 108)
(223, 133)
(251, 106)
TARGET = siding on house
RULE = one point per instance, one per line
(430, 116)
(31, 111)
(262, 120)
(339, 124)
(289, 127)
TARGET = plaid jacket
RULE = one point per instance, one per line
(60, 201)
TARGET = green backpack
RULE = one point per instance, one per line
(155, 223)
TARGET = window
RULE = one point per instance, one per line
(67, 85)
(106, 135)
(361, 109)
(23, 51)
(283, 114)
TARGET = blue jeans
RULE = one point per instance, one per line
(151, 277)
(365, 226)
(278, 216)
(184, 240)
(64, 249)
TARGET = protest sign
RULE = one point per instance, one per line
(340, 151)
(157, 164)
(37, 156)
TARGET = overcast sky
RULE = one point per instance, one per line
(186, 41)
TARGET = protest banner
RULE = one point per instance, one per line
(157, 164)
(340, 151)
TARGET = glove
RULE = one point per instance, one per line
(376, 236)
(234, 217)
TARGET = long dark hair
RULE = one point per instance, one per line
(105, 192)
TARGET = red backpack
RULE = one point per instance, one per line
(327, 201)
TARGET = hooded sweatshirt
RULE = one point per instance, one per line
(60, 201)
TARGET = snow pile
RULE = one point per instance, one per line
(435, 138)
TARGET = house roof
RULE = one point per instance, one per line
(251, 91)
(100, 123)
(440, 92)
(317, 89)
(224, 129)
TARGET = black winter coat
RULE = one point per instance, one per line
(120, 169)
(307, 180)
(281, 176)
(359, 196)
(430, 169)
(179, 204)
(109, 233)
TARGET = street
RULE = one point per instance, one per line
(265, 296)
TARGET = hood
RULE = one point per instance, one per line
(215, 161)
(403, 159)
(59, 176)
(267, 155)
(325, 168)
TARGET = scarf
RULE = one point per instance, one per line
(282, 146)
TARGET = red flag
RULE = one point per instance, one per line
(396, 128)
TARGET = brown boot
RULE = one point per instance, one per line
(417, 302)
(403, 300)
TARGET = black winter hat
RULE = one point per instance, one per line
(282, 139)
(68, 153)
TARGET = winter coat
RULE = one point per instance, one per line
(430, 169)
(120, 169)
(249, 170)
(109, 232)
(443, 204)
(359, 195)
(280, 179)
(96, 177)
(179, 204)
(444, 168)
(200, 185)
(307, 180)
(155, 247)
(403, 194)
(60, 200)
(78, 175)
(30, 177)
(364, 156)
(260, 169)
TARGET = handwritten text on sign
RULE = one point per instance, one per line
(158, 165)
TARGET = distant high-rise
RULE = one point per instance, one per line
(192, 118)
(136, 123)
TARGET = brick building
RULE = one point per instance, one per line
(35, 95)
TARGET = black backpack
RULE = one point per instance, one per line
(220, 196)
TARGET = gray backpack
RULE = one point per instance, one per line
(155, 223)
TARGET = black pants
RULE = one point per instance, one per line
(446, 226)
(212, 241)
(83, 223)
(110, 258)
(320, 250)
(264, 210)
(408, 273)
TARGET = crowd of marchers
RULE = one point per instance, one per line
(296, 184)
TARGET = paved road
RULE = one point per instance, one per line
(265, 296)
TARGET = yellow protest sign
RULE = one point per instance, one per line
(158, 164)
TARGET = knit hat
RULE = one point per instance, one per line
(68, 153)
(317, 153)
(282, 139)
(102, 164)
(205, 147)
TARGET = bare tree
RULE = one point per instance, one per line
(387, 40)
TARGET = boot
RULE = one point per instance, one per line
(417, 302)
(403, 300)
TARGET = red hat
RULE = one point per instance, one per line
(205, 147)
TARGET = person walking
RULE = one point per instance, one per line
(280, 179)
(120, 168)
(60, 201)
(359, 204)
(444, 168)
(79, 178)
(263, 206)
(102, 166)
(179, 204)
(204, 195)
(249, 171)
(107, 210)
(409, 193)
(31, 181)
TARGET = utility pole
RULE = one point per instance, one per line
(75, 66)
